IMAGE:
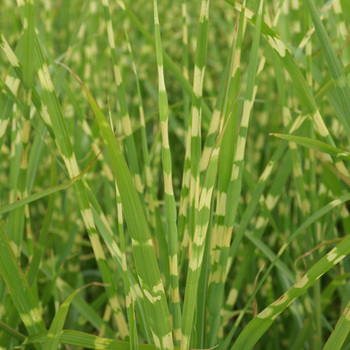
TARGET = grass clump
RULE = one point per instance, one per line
(174, 175)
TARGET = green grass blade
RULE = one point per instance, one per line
(315, 144)
(340, 81)
(168, 62)
(28, 45)
(126, 122)
(144, 254)
(88, 341)
(258, 326)
(36, 196)
(301, 87)
(18, 287)
(341, 331)
(233, 191)
(170, 206)
(53, 334)
(198, 222)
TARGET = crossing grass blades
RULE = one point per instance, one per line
(174, 175)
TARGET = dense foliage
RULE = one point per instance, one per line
(174, 174)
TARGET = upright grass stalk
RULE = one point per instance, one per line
(196, 114)
(193, 154)
(129, 300)
(199, 238)
(153, 210)
(341, 331)
(28, 72)
(215, 293)
(170, 207)
(182, 215)
(185, 59)
(144, 254)
(310, 175)
(127, 128)
(234, 186)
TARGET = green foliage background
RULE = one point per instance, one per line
(194, 213)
